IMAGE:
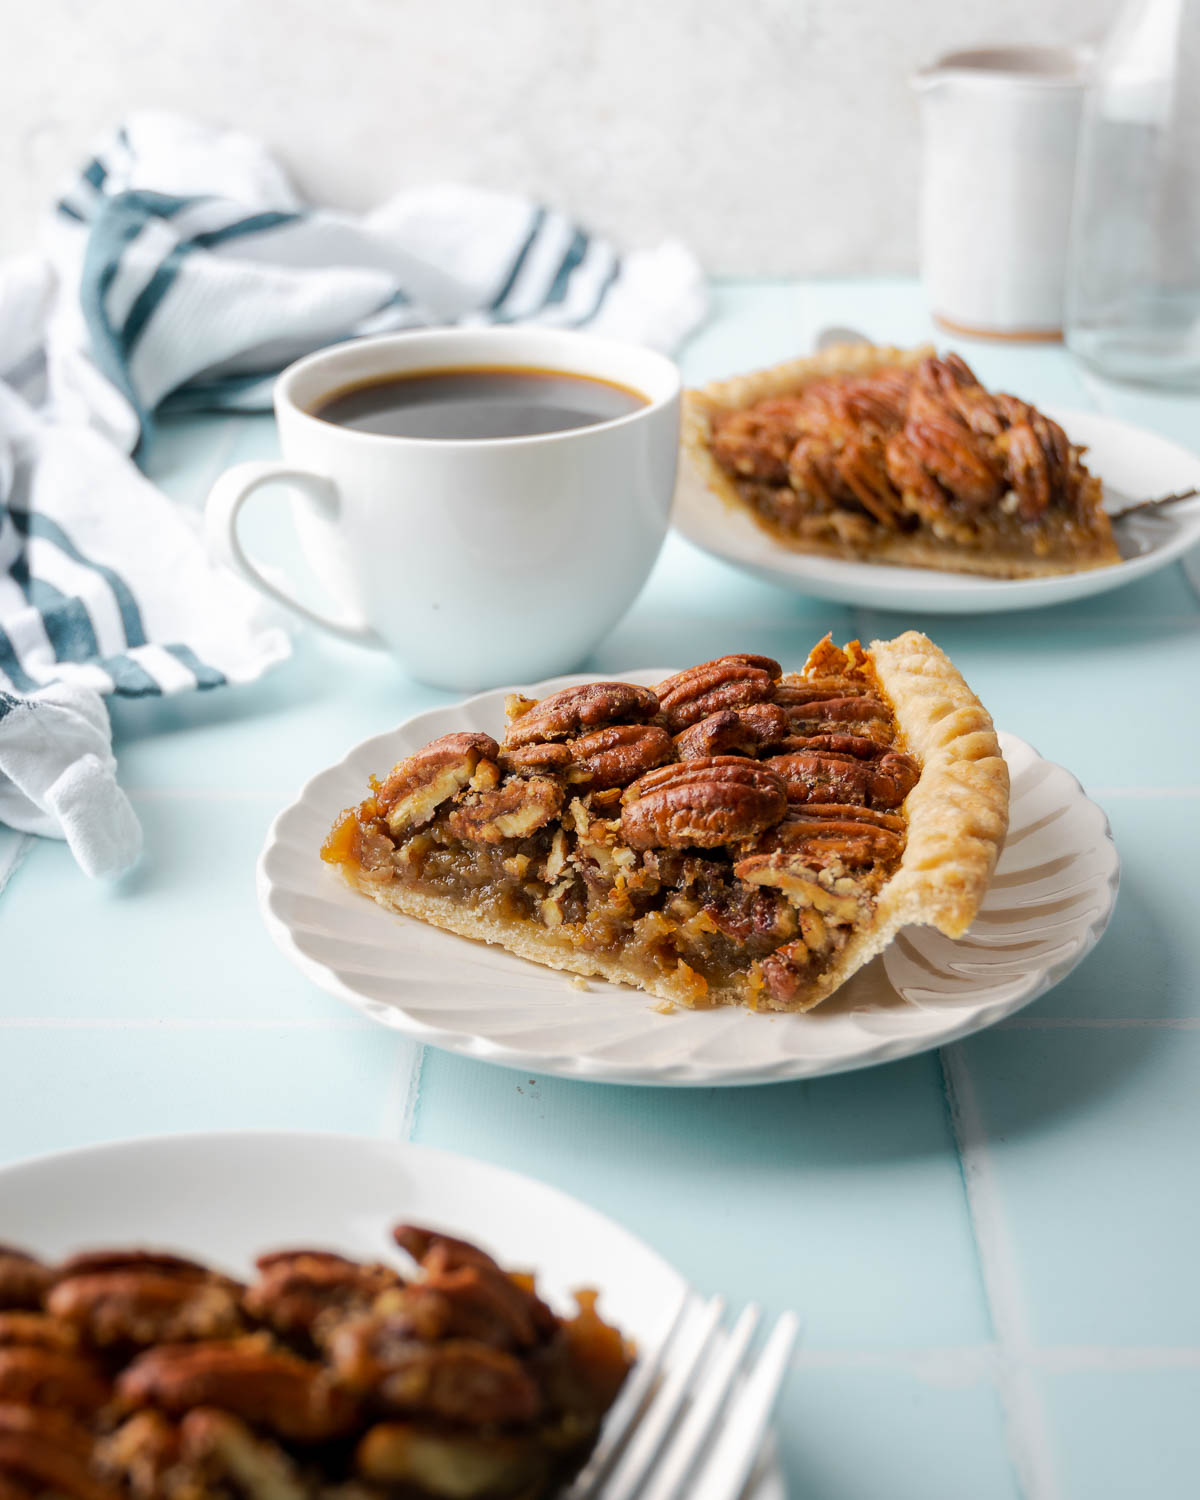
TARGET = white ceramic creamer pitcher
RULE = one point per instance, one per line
(999, 131)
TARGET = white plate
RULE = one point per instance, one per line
(1050, 900)
(227, 1198)
(1132, 463)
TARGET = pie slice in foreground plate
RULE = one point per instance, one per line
(735, 835)
(896, 456)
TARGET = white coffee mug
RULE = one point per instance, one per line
(480, 561)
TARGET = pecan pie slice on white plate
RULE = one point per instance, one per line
(897, 456)
(736, 835)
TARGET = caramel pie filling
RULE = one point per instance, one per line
(717, 838)
(857, 461)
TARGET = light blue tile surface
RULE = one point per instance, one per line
(161, 1004)
(891, 1435)
(71, 1085)
(825, 1196)
(1093, 1143)
(178, 938)
(1148, 963)
(1126, 1435)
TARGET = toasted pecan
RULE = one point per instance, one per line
(147, 1306)
(58, 1378)
(296, 1289)
(418, 786)
(618, 754)
(512, 811)
(576, 710)
(701, 804)
(728, 682)
(279, 1391)
(45, 1452)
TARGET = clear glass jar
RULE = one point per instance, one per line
(1133, 270)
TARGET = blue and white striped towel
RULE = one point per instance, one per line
(182, 271)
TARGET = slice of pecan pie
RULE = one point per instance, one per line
(897, 456)
(736, 834)
(132, 1375)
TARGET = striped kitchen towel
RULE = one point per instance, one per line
(181, 271)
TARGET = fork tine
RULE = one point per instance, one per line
(628, 1406)
(732, 1456)
(660, 1415)
(697, 1427)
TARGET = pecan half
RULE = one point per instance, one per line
(45, 1453)
(756, 441)
(742, 731)
(147, 1306)
(36, 1331)
(513, 811)
(459, 1465)
(831, 776)
(816, 835)
(419, 1242)
(456, 1379)
(23, 1280)
(279, 1391)
(478, 1299)
(541, 758)
(856, 745)
(91, 1261)
(574, 710)
(701, 803)
(51, 1377)
(820, 778)
(297, 1288)
(728, 682)
(419, 785)
(793, 690)
(856, 709)
(893, 776)
(618, 754)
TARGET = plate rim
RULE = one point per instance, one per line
(348, 1139)
(602, 1070)
(946, 592)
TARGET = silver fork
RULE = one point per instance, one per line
(695, 1414)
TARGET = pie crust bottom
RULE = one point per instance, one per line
(541, 946)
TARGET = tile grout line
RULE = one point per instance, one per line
(1028, 1440)
(403, 1095)
(969, 1364)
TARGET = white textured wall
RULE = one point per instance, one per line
(777, 136)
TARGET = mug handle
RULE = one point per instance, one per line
(225, 500)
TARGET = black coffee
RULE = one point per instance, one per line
(487, 402)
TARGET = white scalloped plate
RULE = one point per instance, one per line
(1051, 898)
(1132, 463)
(229, 1196)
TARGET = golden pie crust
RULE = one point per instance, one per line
(612, 835)
(1073, 534)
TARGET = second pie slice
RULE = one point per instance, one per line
(734, 835)
(896, 456)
